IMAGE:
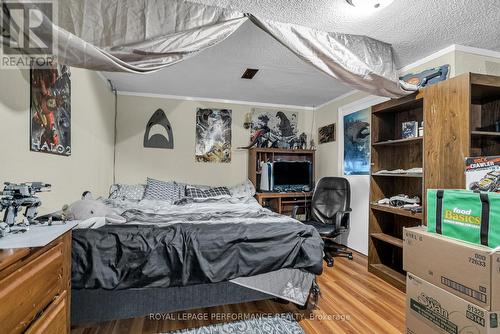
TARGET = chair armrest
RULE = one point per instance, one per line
(294, 211)
(341, 215)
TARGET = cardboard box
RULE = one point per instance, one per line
(430, 310)
(467, 270)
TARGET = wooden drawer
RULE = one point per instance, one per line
(54, 319)
(28, 290)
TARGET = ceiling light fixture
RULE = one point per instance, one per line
(369, 5)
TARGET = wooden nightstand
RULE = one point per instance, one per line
(35, 288)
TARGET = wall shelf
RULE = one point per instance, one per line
(486, 133)
(396, 211)
(399, 141)
(388, 239)
(417, 175)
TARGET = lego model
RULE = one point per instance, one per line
(16, 196)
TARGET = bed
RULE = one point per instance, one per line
(196, 253)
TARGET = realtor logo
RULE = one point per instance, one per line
(27, 34)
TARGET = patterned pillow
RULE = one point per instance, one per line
(243, 190)
(163, 191)
(127, 192)
(199, 186)
(217, 193)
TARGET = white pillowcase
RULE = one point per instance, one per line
(127, 192)
(243, 190)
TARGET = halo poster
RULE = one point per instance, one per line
(50, 110)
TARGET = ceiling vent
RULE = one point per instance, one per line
(249, 73)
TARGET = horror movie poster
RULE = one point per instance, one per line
(213, 135)
(276, 129)
(50, 110)
(357, 143)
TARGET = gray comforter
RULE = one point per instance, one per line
(199, 242)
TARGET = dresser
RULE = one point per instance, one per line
(35, 288)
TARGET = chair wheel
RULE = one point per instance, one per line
(329, 263)
(350, 257)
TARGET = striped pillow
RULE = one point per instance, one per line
(163, 191)
(216, 193)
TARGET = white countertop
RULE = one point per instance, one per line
(36, 236)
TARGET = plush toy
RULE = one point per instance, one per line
(91, 213)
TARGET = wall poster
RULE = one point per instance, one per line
(50, 110)
(357, 143)
(213, 135)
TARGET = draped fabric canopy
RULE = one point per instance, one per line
(142, 36)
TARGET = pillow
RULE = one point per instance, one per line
(127, 192)
(216, 193)
(243, 190)
(199, 186)
(163, 191)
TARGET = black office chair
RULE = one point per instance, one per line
(330, 215)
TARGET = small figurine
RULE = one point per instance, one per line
(303, 141)
(15, 196)
(312, 145)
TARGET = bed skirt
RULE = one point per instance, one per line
(91, 306)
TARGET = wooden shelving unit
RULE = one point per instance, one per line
(391, 152)
(282, 203)
(460, 118)
(258, 155)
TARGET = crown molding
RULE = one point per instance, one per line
(477, 51)
(338, 98)
(429, 58)
(204, 99)
(449, 49)
(422, 61)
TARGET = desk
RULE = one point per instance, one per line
(283, 203)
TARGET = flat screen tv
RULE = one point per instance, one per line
(292, 175)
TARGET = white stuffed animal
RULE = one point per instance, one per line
(91, 213)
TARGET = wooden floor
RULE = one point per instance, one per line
(352, 301)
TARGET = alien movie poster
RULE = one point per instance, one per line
(213, 135)
(50, 130)
(357, 143)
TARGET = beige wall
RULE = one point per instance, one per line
(328, 154)
(90, 166)
(467, 62)
(134, 163)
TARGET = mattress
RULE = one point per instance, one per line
(198, 242)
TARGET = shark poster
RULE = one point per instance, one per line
(357, 143)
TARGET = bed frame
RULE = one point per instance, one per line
(91, 306)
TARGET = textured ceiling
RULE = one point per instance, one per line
(414, 28)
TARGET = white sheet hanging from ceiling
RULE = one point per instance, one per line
(141, 36)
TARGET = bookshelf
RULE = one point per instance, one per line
(390, 152)
(460, 117)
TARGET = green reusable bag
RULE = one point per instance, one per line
(465, 215)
